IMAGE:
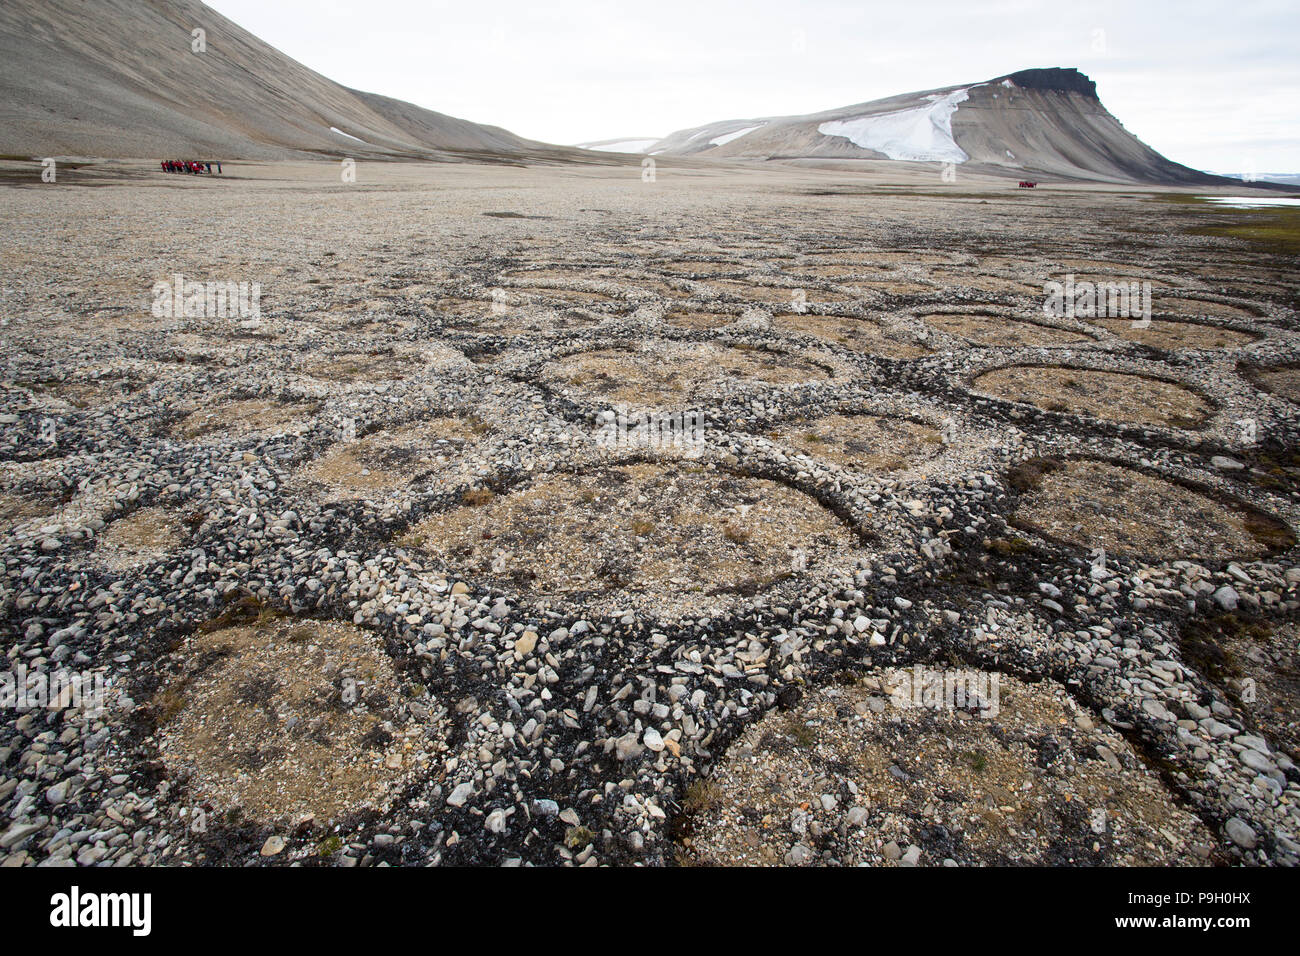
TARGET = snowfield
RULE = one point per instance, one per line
(621, 146)
(923, 133)
(728, 137)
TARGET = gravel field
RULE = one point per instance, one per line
(384, 572)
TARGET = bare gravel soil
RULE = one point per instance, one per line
(998, 330)
(142, 537)
(1094, 504)
(871, 775)
(664, 539)
(857, 334)
(286, 721)
(1280, 380)
(1110, 395)
(1162, 334)
(406, 567)
(660, 375)
(863, 442)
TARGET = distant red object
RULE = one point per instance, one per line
(194, 167)
(1026, 184)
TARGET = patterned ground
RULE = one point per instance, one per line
(414, 464)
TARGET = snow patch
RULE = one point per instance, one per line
(923, 133)
(335, 129)
(728, 137)
(623, 146)
(1248, 202)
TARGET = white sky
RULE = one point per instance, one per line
(1210, 84)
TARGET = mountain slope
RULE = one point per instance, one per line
(1041, 121)
(118, 78)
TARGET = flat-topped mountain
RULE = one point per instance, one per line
(1041, 121)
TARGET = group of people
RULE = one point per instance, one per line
(188, 166)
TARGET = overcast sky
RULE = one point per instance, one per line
(1211, 84)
